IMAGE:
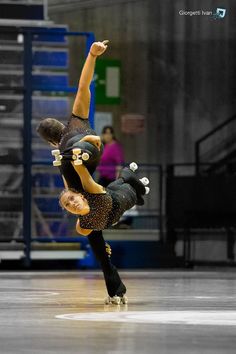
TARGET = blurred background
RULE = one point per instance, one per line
(166, 85)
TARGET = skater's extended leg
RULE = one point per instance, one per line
(113, 282)
(98, 246)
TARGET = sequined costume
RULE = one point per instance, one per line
(106, 209)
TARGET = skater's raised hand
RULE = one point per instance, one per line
(97, 48)
(82, 100)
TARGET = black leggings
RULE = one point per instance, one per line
(124, 196)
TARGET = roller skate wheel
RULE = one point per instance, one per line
(56, 163)
(133, 166)
(107, 301)
(76, 151)
(147, 190)
(145, 181)
(124, 300)
(55, 152)
(78, 162)
(85, 156)
(115, 300)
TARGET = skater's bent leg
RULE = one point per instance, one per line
(124, 194)
(124, 184)
(132, 178)
(115, 185)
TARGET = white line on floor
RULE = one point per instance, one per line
(215, 318)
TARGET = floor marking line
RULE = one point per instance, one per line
(215, 318)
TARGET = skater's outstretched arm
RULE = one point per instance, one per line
(82, 99)
(88, 183)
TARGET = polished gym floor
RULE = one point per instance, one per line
(168, 312)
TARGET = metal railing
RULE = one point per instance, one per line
(206, 137)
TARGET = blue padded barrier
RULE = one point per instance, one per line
(53, 38)
(50, 79)
(51, 58)
(49, 106)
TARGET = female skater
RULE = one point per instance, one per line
(98, 207)
(78, 133)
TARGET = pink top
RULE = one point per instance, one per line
(112, 156)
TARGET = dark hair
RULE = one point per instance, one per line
(51, 130)
(111, 131)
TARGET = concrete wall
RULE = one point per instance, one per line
(178, 71)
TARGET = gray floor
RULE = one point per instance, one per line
(168, 312)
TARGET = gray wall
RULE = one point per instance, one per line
(178, 71)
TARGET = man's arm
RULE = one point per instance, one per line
(82, 99)
(88, 183)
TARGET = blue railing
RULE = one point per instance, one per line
(27, 90)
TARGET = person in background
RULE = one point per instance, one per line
(112, 158)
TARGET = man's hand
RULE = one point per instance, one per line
(97, 48)
(93, 139)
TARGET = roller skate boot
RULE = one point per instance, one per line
(115, 288)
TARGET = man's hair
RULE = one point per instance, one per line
(51, 130)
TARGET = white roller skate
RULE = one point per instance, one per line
(116, 289)
(116, 300)
(77, 156)
(58, 157)
(145, 182)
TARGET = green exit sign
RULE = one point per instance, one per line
(107, 81)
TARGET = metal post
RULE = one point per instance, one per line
(197, 158)
(90, 40)
(161, 202)
(45, 9)
(27, 155)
